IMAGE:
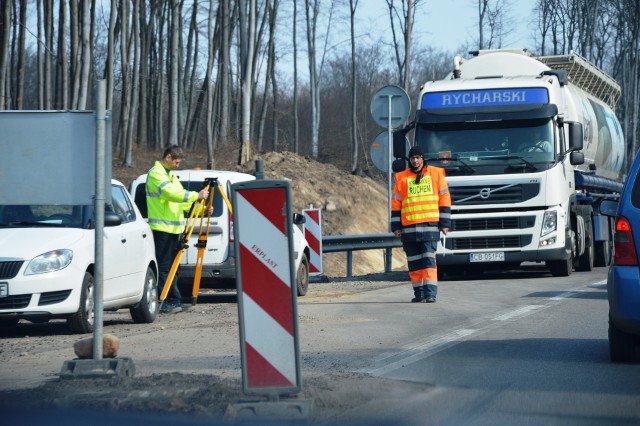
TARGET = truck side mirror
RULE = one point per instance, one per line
(399, 165)
(575, 137)
(399, 144)
(576, 158)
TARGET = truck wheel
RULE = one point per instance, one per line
(602, 251)
(302, 276)
(561, 268)
(622, 346)
(585, 262)
(145, 312)
(82, 321)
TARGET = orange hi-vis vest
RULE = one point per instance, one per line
(420, 202)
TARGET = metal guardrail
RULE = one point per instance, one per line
(351, 243)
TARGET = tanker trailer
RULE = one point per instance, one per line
(530, 147)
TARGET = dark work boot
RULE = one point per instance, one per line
(418, 295)
(430, 292)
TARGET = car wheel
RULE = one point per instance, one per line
(82, 321)
(623, 346)
(302, 276)
(147, 310)
(8, 322)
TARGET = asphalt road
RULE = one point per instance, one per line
(502, 348)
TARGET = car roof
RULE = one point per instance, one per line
(202, 174)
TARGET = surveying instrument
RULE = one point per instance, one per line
(203, 234)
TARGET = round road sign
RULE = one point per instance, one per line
(390, 98)
(380, 151)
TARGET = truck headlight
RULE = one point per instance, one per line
(49, 262)
(549, 222)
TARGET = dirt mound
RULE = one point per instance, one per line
(350, 204)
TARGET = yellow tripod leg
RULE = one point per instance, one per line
(202, 245)
(176, 261)
(225, 198)
(172, 274)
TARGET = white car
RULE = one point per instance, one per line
(219, 260)
(47, 262)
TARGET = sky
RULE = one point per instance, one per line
(449, 23)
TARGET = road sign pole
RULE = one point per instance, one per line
(390, 107)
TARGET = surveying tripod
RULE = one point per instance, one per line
(209, 184)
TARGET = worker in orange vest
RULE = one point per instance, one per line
(420, 210)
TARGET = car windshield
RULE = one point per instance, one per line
(492, 147)
(24, 215)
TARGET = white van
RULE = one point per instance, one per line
(219, 261)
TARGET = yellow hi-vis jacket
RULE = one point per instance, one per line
(167, 200)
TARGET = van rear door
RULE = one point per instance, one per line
(217, 245)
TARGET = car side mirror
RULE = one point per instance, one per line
(112, 218)
(608, 207)
(299, 219)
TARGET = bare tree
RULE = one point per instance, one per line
(225, 69)
(174, 71)
(211, 46)
(402, 19)
(353, 5)
(296, 123)
(85, 63)
(269, 83)
(312, 13)
(247, 30)
(5, 37)
(21, 56)
(492, 18)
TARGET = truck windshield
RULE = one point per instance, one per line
(488, 147)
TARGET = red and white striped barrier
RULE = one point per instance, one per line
(266, 287)
(313, 235)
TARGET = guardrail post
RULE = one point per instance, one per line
(387, 260)
(349, 263)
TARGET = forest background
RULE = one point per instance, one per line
(253, 76)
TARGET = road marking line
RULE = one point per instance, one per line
(415, 352)
(518, 312)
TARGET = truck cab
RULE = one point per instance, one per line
(518, 139)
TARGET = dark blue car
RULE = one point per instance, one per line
(623, 281)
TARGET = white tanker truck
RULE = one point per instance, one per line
(530, 146)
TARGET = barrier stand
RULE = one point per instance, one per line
(313, 235)
(267, 301)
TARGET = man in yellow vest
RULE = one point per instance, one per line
(420, 210)
(167, 202)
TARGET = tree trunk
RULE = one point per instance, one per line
(5, 35)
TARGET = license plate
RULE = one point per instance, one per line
(497, 256)
(4, 289)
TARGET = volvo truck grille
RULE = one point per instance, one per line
(490, 223)
(493, 194)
